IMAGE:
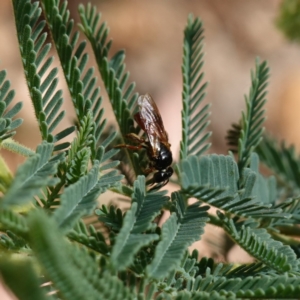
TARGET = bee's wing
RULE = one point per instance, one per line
(149, 119)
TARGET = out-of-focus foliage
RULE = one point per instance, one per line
(288, 20)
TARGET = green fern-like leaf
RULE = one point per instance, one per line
(212, 171)
(206, 268)
(72, 57)
(253, 118)
(81, 83)
(13, 221)
(79, 153)
(78, 199)
(292, 208)
(257, 287)
(13, 242)
(72, 270)
(194, 120)
(89, 237)
(264, 189)
(131, 237)
(128, 242)
(259, 244)
(7, 125)
(41, 80)
(184, 227)
(145, 207)
(283, 161)
(33, 175)
(149, 204)
(83, 91)
(213, 179)
(112, 71)
(112, 217)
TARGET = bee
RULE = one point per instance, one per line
(157, 145)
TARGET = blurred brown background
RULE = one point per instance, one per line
(152, 32)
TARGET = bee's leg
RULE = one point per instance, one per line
(148, 170)
(159, 185)
(135, 138)
(131, 147)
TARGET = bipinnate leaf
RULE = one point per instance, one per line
(185, 226)
(78, 199)
(259, 243)
(264, 189)
(128, 241)
(37, 172)
(216, 173)
(149, 204)
(72, 270)
(213, 179)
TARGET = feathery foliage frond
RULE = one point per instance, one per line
(259, 244)
(207, 267)
(246, 270)
(72, 57)
(283, 161)
(145, 207)
(259, 287)
(213, 179)
(128, 242)
(112, 71)
(290, 207)
(149, 204)
(264, 189)
(72, 270)
(218, 172)
(13, 242)
(89, 237)
(194, 120)
(13, 221)
(78, 199)
(7, 124)
(80, 152)
(33, 175)
(84, 94)
(184, 227)
(41, 81)
(112, 217)
(253, 118)
(81, 83)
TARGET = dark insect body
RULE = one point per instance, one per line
(156, 145)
